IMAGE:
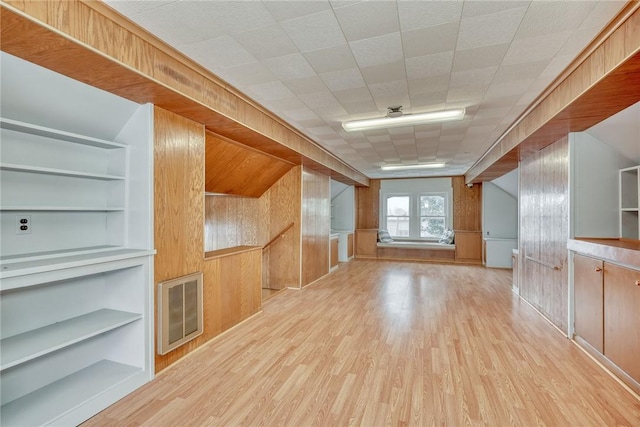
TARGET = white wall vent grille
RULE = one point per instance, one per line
(179, 311)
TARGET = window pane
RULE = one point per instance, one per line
(432, 206)
(398, 226)
(398, 206)
(431, 227)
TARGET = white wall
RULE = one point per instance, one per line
(594, 186)
(499, 213)
(343, 210)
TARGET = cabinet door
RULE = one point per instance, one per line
(588, 299)
(350, 245)
(334, 253)
(366, 241)
(622, 318)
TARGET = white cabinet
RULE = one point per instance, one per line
(629, 203)
(76, 312)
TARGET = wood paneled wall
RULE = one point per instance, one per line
(94, 44)
(544, 230)
(280, 206)
(316, 225)
(231, 221)
(467, 205)
(368, 205)
(232, 168)
(231, 283)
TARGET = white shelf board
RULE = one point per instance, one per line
(630, 209)
(58, 172)
(18, 126)
(25, 266)
(55, 400)
(29, 345)
(61, 208)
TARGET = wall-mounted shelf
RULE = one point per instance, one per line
(630, 203)
(24, 347)
(75, 292)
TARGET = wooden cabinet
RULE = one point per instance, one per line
(366, 241)
(588, 300)
(622, 318)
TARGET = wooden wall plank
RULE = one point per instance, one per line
(231, 221)
(544, 231)
(368, 205)
(280, 206)
(178, 206)
(316, 224)
(232, 168)
(467, 206)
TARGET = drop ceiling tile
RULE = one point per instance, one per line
(405, 130)
(313, 32)
(369, 19)
(536, 48)
(602, 13)
(359, 94)
(491, 29)
(377, 50)
(302, 115)
(246, 74)
(322, 131)
(285, 10)
(131, 8)
(306, 85)
(427, 134)
(528, 70)
(467, 94)
(421, 67)
(552, 17)
(290, 67)
(319, 100)
(376, 139)
(331, 59)
(422, 14)
(430, 40)
(343, 79)
(477, 8)
(359, 107)
(430, 84)
(286, 104)
(480, 57)
(431, 100)
(266, 42)
(221, 52)
(384, 72)
(477, 77)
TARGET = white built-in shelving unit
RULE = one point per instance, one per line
(76, 312)
(630, 203)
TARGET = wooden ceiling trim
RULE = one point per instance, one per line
(606, 82)
(90, 42)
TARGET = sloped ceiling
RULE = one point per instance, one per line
(621, 131)
(252, 172)
(318, 63)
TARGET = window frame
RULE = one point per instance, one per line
(414, 212)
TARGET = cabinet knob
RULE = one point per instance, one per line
(598, 269)
(637, 282)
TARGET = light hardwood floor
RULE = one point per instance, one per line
(386, 343)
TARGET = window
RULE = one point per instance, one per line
(433, 219)
(416, 215)
(398, 217)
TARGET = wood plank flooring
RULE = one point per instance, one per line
(386, 343)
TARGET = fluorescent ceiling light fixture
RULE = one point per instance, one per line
(406, 120)
(418, 166)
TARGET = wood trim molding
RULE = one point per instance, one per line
(603, 80)
(90, 42)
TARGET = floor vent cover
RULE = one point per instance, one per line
(179, 311)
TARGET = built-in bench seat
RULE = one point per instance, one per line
(416, 250)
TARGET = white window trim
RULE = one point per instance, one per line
(414, 209)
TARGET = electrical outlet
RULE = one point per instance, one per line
(23, 224)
